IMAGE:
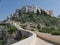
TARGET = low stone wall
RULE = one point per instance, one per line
(31, 37)
(50, 38)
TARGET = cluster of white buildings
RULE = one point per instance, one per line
(26, 9)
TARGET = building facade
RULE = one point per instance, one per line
(51, 12)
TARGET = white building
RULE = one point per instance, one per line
(27, 9)
(50, 12)
(35, 8)
(46, 11)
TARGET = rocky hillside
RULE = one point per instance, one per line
(36, 21)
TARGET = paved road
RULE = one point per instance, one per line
(42, 42)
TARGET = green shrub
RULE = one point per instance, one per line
(1, 42)
(24, 26)
(56, 32)
(38, 26)
(32, 29)
(46, 30)
(12, 29)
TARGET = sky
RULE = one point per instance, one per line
(8, 7)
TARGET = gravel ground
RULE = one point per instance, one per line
(54, 39)
(42, 42)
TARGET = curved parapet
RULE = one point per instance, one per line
(31, 37)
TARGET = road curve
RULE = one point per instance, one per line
(38, 40)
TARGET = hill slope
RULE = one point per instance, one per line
(34, 21)
(35, 18)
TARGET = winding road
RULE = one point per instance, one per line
(38, 40)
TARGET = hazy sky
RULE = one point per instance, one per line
(8, 7)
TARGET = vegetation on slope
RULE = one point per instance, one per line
(43, 22)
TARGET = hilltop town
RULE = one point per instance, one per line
(33, 19)
(32, 9)
(29, 22)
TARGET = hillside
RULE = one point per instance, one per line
(36, 21)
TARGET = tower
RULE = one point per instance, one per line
(50, 12)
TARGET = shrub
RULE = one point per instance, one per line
(38, 26)
(55, 32)
(46, 30)
(24, 26)
(1, 42)
(12, 29)
(32, 29)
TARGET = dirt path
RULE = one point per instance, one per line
(49, 38)
(42, 42)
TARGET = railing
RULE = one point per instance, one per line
(31, 40)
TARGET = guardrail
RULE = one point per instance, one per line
(31, 40)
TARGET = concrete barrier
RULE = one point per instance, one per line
(31, 37)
